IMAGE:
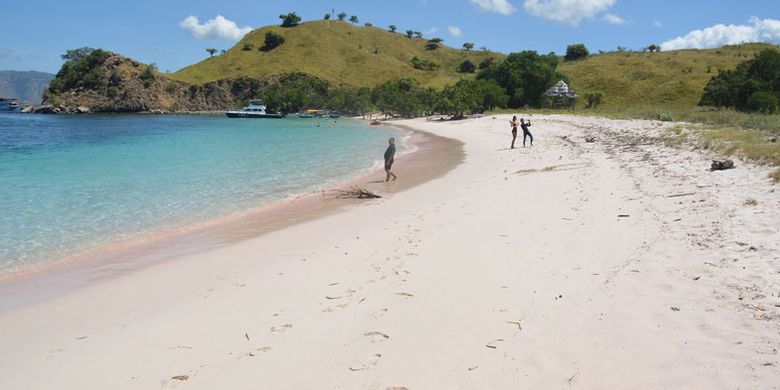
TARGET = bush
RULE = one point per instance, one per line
(290, 20)
(421, 64)
(763, 102)
(248, 47)
(83, 70)
(467, 67)
(431, 46)
(666, 117)
(736, 88)
(147, 76)
(486, 63)
(272, 41)
(525, 76)
(594, 99)
(576, 52)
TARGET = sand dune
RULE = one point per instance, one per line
(619, 263)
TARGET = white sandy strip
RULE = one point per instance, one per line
(512, 271)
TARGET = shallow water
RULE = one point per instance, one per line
(70, 184)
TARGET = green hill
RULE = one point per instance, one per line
(25, 86)
(670, 81)
(337, 52)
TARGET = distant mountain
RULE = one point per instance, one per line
(26, 86)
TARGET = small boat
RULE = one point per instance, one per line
(334, 115)
(308, 114)
(9, 104)
(255, 109)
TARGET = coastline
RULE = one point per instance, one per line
(61, 275)
(619, 263)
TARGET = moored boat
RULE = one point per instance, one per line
(9, 104)
(255, 109)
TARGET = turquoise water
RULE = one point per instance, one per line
(70, 184)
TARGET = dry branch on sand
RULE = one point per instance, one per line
(355, 193)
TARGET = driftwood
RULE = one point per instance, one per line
(356, 193)
(721, 165)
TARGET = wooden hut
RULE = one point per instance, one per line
(561, 95)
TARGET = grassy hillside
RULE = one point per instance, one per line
(337, 52)
(670, 81)
(25, 86)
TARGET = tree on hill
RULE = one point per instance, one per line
(576, 52)
(342, 15)
(272, 40)
(468, 46)
(436, 40)
(354, 19)
(81, 71)
(76, 54)
(368, 24)
(652, 48)
(290, 20)
(409, 33)
(211, 51)
(327, 16)
(418, 34)
(431, 46)
(393, 28)
(525, 76)
(467, 67)
(753, 86)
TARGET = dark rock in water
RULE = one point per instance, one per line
(721, 165)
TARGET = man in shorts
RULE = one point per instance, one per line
(389, 159)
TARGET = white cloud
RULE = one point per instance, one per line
(455, 31)
(570, 12)
(217, 28)
(502, 7)
(657, 24)
(614, 19)
(766, 30)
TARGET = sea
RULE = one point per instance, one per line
(75, 184)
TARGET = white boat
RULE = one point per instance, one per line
(9, 104)
(255, 109)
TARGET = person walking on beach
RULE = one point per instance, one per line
(513, 123)
(526, 132)
(389, 159)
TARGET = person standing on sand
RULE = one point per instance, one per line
(526, 132)
(389, 159)
(513, 123)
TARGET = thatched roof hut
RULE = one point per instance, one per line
(561, 90)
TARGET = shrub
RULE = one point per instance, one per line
(170, 87)
(486, 63)
(290, 20)
(763, 102)
(666, 117)
(576, 52)
(431, 46)
(467, 67)
(147, 75)
(421, 64)
(736, 88)
(468, 46)
(248, 47)
(409, 33)
(272, 41)
(342, 15)
(327, 16)
(594, 99)
(354, 19)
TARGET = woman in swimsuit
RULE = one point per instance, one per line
(514, 125)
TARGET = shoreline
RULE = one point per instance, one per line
(20, 287)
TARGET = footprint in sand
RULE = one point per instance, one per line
(376, 337)
(281, 328)
(367, 364)
(404, 294)
(379, 313)
(331, 309)
(175, 381)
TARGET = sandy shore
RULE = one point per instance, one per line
(614, 264)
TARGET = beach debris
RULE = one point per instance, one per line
(590, 139)
(281, 328)
(718, 165)
(679, 195)
(81, 338)
(675, 308)
(494, 344)
(331, 309)
(247, 336)
(355, 193)
(332, 298)
(696, 278)
(623, 215)
(180, 378)
(519, 327)
(473, 368)
(404, 294)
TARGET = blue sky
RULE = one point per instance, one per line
(37, 32)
